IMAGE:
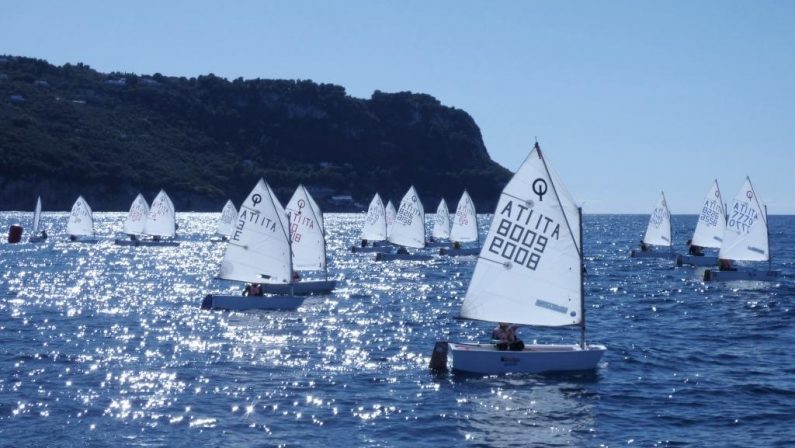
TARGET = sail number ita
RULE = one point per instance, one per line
(522, 235)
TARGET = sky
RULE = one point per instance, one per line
(626, 98)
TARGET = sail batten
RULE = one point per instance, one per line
(409, 227)
(746, 235)
(529, 267)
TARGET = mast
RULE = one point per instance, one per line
(582, 283)
(769, 253)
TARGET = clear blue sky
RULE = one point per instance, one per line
(626, 97)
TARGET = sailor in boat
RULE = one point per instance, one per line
(644, 247)
(253, 289)
(725, 265)
(72, 238)
(402, 251)
(156, 238)
(694, 250)
(504, 336)
(296, 277)
(43, 234)
(133, 237)
(456, 245)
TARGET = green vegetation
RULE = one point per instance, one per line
(70, 130)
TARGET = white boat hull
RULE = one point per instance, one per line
(535, 358)
(303, 287)
(379, 249)
(714, 275)
(460, 252)
(128, 242)
(693, 260)
(242, 303)
(651, 254)
(391, 257)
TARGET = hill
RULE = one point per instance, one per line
(70, 130)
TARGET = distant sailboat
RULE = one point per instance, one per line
(658, 233)
(529, 276)
(465, 228)
(390, 217)
(374, 228)
(745, 239)
(441, 226)
(37, 235)
(408, 230)
(226, 221)
(308, 246)
(161, 221)
(80, 227)
(709, 230)
(134, 224)
(257, 252)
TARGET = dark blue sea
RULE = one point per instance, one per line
(102, 345)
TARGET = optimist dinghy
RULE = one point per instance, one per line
(408, 231)
(658, 234)
(530, 272)
(745, 239)
(308, 245)
(160, 223)
(80, 227)
(441, 227)
(134, 224)
(36, 234)
(709, 230)
(226, 222)
(258, 251)
(465, 229)
(374, 228)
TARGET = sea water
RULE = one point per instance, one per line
(104, 345)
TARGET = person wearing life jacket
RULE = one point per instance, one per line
(504, 336)
(725, 265)
(694, 250)
(253, 289)
(296, 276)
(644, 247)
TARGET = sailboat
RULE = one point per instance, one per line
(465, 228)
(374, 228)
(709, 229)
(441, 226)
(658, 233)
(745, 238)
(134, 224)
(36, 234)
(390, 213)
(161, 222)
(408, 230)
(258, 251)
(226, 222)
(80, 227)
(308, 245)
(529, 272)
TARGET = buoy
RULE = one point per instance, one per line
(439, 356)
(14, 233)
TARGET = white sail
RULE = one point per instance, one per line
(390, 217)
(317, 209)
(746, 229)
(465, 223)
(409, 227)
(658, 232)
(226, 223)
(136, 218)
(306, 232)
(161, 220)
(529, 267)
(712, 220)
(441, 223)
(259, 247)
(375, 222)
(37, 217)
(81, 220)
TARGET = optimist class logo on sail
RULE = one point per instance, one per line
(254, 217)
(523, 233)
